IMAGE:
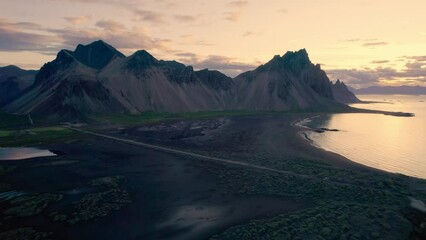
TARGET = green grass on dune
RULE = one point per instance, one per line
(15, 130)
(155, 117)
(10, 121)
(36, 136)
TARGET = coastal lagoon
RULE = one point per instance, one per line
(20, 153)
(393, 144)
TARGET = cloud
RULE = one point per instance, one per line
(236, 11)
(366, 42)
(248, 33)
(282, 10)
(251, 33)
(191, 40)
(414, 72)
(78, 20)
(373, 44)
(360, 40)
(379, 61)
(150, 16)
(124, 3)
(232, 16)
(186, 55)
(416, 58)
(127, 40)
(5, 24)
(25, 36)
(14, 38)
(238, 4)
(227, 65)
(185, 18)
(111, 26)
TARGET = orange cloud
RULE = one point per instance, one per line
(78, 20)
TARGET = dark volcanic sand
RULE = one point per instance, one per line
(238, 137)
(172, 197)
(177, 197)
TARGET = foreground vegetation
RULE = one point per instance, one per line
(156, 117)
(17, 130)
(36, 136)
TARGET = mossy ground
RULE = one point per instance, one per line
(36, 136)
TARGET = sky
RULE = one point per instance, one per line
(362, 42)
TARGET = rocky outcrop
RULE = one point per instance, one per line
(342, 94)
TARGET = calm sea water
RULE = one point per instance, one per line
(394, 144)
(20, 153)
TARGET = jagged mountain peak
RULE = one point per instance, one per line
(143, 57)
(342, 93)
(295, 61)
(98, 46)
(96, 54)
(341, 84)
(300, 55)
(64, 55)
(140, 60)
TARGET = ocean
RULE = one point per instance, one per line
(393, 144)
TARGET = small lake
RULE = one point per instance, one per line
(20, 153)
(394, 144)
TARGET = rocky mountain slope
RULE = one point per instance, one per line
(13, 81)
(288, 82)
(342, 94)
(97, 78)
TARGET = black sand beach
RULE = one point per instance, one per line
(105, 189)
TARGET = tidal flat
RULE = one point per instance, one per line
(106, 189)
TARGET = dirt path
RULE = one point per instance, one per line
(190, 154)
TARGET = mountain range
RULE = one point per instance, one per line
(13, 81)
(404, 90)
(97, 78)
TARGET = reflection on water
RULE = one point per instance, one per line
(395, 144)
(20, 153)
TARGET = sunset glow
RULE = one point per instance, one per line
(362, 42)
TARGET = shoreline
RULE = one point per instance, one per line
(304, 135)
